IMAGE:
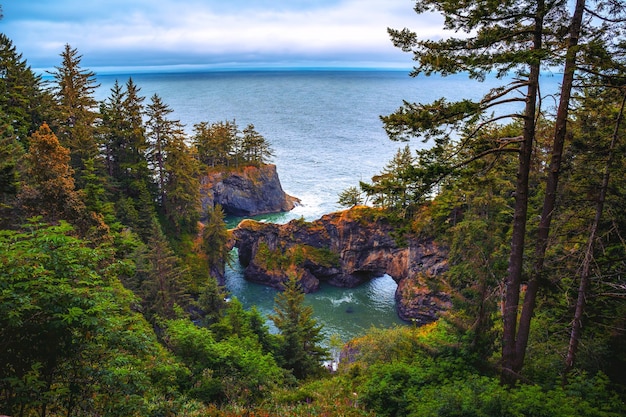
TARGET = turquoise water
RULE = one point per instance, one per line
(325, 129)
(344, 312)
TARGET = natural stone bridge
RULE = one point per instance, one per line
(346, 249)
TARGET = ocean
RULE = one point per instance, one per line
(325, 129)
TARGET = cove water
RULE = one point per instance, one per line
(325, 129)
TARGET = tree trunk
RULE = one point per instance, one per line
(516, 257)
(513, 281)
(586, 266)
(552, 180)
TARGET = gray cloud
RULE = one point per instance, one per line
(197, 32)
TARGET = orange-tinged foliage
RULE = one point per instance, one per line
(251, 225)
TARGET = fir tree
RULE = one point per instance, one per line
(182, 186)
(74, 89)
(24, 105)
(255, 149)
(395, 188)
(48, 188)
(10, 153)
(161, 131)
(215, 142)
(299, 347)
(512, 36)
(214, 240)
(163, 282)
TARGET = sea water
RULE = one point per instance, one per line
(325, 130)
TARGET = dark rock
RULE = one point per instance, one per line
(418, 302)
(346, 249)
(247, 191)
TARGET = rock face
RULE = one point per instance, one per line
(247, 191)
(345, 249)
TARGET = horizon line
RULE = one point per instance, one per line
(201, 68)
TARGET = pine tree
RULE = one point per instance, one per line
(214, 240)
(511, 36)
(160, 132)
(182, 186)
(212, 302)
(48, 188)
(300, 336)
(350, 197)
(74, 89)
(255, 149)
(395, 188)
(23, 102)
(135, 163)
(599, 220)
(112, 128)
(125, 147)
(163, 282)
(215, 142)
(10, 153)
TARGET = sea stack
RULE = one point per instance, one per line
(245, 191)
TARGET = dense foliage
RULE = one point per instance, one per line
(110, 295)
(509, 240)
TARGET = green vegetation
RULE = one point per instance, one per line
(110, 302)
(222, 144)
(299, 347)
(285, 259)
(498, 193)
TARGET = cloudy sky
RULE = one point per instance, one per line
(220, 33)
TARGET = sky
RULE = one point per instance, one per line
(214, 33)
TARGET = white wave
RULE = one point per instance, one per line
(346, 299)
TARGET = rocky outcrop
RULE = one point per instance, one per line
(346, 249)
(247, 191)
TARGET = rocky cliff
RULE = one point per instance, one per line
(247, 191)
(346, 249)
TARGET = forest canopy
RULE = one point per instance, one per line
(111, 300)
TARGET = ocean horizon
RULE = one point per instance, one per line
(323, 124)
(325, 129)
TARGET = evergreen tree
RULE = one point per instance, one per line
(163, 282)
(124, 139)
(395, 188)
(125, 148)
(74, 89)
(112, 128)
(23, 106)
(214, 241)
(474, 210)
(212, 302)
(215, 142)
(134, 161)
(511, 36)
(350, 197)
(234, 322)
(23, 102)
(255, 149)
(182, 186)
(10, 153)
(72, 344)
(299, 346)
(161, 131)
(596, 218)
(223, 144)
(94, 191)
(48, 188)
